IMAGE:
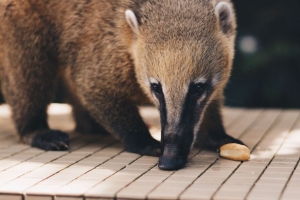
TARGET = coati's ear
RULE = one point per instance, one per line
(225, 14)
(132, 21)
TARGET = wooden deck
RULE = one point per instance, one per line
(98, 168)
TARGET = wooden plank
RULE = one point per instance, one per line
(92, 170)
(10, 197)
(231, 114)
(69, 167)
(237, 128)
(259, 131)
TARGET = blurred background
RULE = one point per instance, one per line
(266, 70)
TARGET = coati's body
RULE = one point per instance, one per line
(160, 52)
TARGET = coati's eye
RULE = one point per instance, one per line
(199, 88)
(156, 88)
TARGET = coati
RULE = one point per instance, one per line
(114, 55)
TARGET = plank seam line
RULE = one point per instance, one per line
(198, 177)
(24, 194)
(236, 119)
(261, 112)
(280, 197)
(266, 167)
(7, 138)
(86, 144)
(243, 133)
(84, 196)
(168, 176)
(115, 198)
(19, 163)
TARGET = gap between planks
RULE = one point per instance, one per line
(268, 133)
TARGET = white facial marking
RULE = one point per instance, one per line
(203, 81)
(195, 131)
(202, 98)
(185, 89)
(200, 80)
(146, 80)
(153, 80)
(216, 79)
(132, 21)
(197, 125)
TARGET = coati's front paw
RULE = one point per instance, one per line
(151, 148)
(51, 140)
(214, 143)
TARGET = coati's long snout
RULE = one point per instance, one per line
(180, 115)
(175, 149)
(183, 58)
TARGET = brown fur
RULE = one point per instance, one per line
(89, 44)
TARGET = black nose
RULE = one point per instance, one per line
(173, 157)
(171, 163)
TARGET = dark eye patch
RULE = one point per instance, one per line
(158, 92)
(156, 88)
(199, 88)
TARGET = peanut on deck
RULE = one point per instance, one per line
(97, 167)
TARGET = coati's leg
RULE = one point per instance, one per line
(121, 118)
(29, 70)
(28, 98)
(85, 123)
(212, 134)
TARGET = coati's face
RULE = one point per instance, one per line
(183, 52)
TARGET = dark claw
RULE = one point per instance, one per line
(63, 145)
(51, 140)
(51, 146)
